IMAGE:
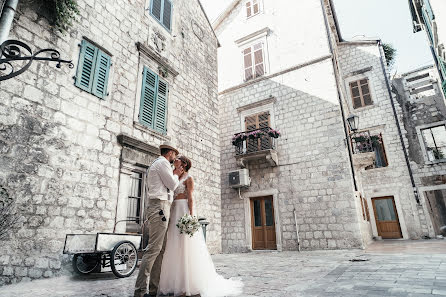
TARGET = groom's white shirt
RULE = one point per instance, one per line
(161, 181)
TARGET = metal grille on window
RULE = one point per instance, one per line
(135, 198)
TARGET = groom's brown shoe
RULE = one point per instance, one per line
(149, 295)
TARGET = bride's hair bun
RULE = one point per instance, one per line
(186, 161)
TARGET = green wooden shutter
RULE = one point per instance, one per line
(148, 95)
(101, 75)
(444, 87)
(86, 66)
(167, 14)
(161, 106)
(156, 9)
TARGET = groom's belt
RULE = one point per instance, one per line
(165, 198)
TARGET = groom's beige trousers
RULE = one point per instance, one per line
(157, 213)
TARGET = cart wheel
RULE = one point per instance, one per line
(124, 259)
(85, 263)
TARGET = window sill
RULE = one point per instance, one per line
(373, 170)
(252, 15)
(364, 108)
(161, 24)
(151, 132)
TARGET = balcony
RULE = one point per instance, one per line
(363, 148)
(257, 144)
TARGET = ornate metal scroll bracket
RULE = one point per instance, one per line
(14, 50)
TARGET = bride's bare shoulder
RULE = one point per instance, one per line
(189, 181)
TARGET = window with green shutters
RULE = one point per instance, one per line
(153, 106)
(93, 70)
(161, 10)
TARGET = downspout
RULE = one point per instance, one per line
(406, 157)
(6, 19)
(350, 154)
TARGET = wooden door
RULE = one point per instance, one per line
(386, 217)
(262, 222)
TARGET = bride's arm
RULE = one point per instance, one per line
(189, 190)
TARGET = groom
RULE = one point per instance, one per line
(161, 184)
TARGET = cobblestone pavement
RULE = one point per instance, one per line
(395, 268)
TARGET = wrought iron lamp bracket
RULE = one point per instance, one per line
(15, 50)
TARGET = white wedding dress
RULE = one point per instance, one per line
(187, 267)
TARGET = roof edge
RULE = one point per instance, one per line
(209, 22)
(225, 14)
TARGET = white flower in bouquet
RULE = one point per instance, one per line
(188, 224)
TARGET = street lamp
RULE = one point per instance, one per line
(353, 122)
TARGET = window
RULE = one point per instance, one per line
(260, 121)
(253, 59)
(360, 92)
(161, 10)
(252, 8)
(418, 77)
(435, 142)
(135, 202)
(93, 70)
(380, 152)
(153, 106)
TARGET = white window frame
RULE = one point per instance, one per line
(259, 2)
(423, 144)
(249, 41)
(253, 60)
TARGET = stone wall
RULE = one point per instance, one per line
(60, 156)
(313, 176)
(360, 60)
(421, 110)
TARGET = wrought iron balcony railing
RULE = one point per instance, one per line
(362, 143)
(255, 141)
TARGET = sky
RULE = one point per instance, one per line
(388, 20)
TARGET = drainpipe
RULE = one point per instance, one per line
(350, 154)
(406, 157)
(6, 19)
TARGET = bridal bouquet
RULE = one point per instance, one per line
(188, 224)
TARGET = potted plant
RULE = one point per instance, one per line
(364, 143)
(238, 138)
(256, 134)
(273, 133)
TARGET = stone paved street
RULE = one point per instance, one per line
(391, 268)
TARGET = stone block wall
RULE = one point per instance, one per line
(313, 176)
(60, 158)
(417, 112)
(425, 109)
(360, 60)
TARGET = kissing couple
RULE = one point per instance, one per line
(177, 264)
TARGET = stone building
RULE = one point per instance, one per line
(76, 143)
(276, 70)
(430, 16)
(419, 94)
(319, 185)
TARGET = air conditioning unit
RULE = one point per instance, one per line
(239, 178)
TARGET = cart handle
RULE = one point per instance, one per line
(134, 220)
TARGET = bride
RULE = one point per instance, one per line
(187, 267)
